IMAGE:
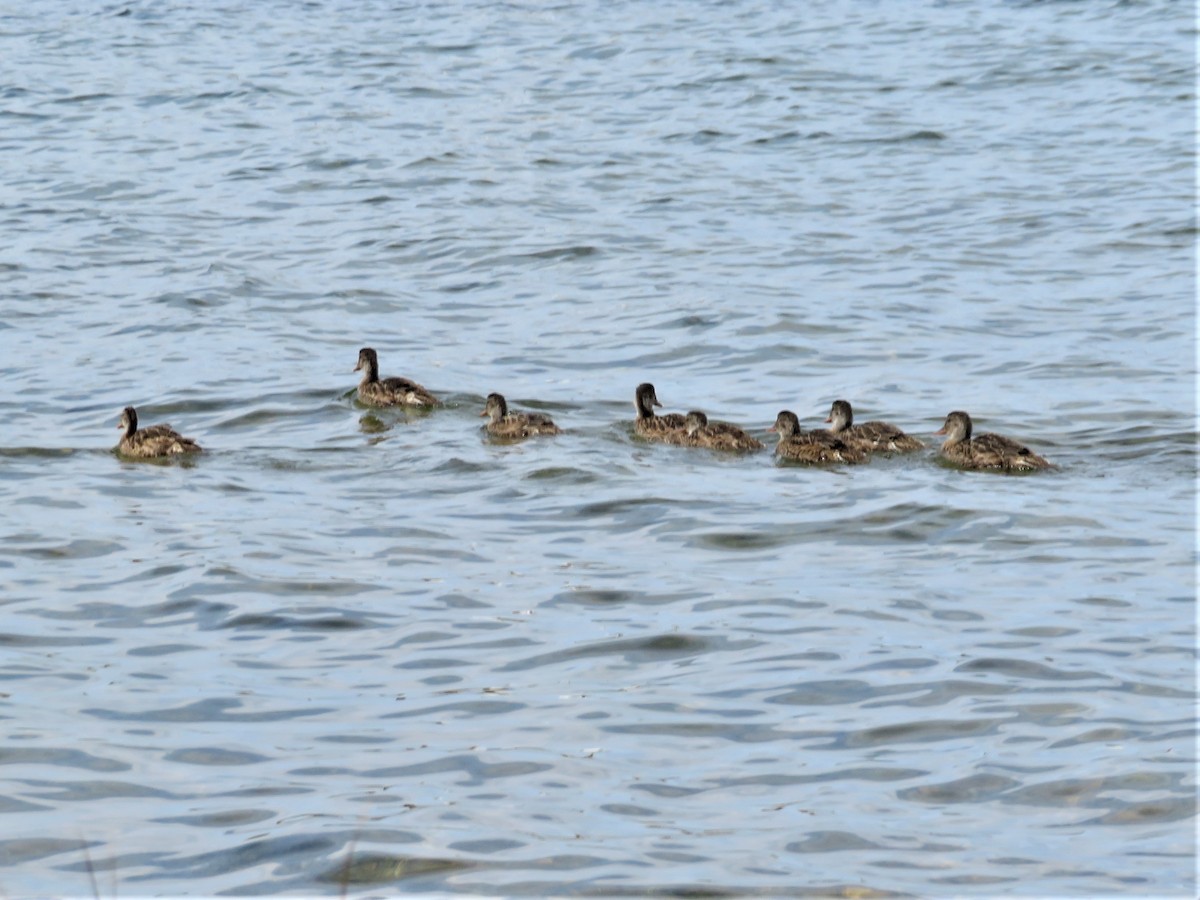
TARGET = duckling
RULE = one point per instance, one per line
(869, 435)
(818, 446)
(987, 450)
(504, 424)
(374, 391)
(699, 432)
(157, 440)
(653, 427)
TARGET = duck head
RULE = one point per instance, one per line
(786, 425)
(957, 427)
(645, 400)
(495, 408)
(841, 416)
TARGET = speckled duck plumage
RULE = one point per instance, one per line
(511, 425)
(153, 441)
(699, 432)
(376, 391)
(987, 450)
(816, 446)
(879, 437)
(669, 428)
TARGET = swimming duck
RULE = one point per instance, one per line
(374, 391)
(699, 432)
(504, 424)
(987, 450)
(869, 435)
(157, 440)
(817, 446)
(653, 427)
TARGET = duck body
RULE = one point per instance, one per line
(817, 446)
(869, 436)
(987, 450)
(652, 427)
(156, 441)
(376, 391)
(699, 432)
(513, 425)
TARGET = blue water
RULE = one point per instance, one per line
(357, 651)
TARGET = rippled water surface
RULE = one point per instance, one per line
(349, 651)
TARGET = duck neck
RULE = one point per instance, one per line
(371, 372)
(644, 409)
(130, 424)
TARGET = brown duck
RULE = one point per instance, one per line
(699, 432)
(987, 450)
(817, 446)
(653, 427)
(869, 436)
(376, 391)
(504, 424)
(155, 441)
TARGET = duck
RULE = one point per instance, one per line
(504, 424)
(699, 432)
(869, 435)
(151, 442)
(987, 450)
(669, 428)
(817, 446)
(376, 391)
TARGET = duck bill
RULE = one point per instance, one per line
(483, 414)
(941, 430)
(830, 419)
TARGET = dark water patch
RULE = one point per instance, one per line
(941, 692)
(8, 639)
(231, 818)
(55, 756)
(11, 805)
(878, 774)
(468, 709)
(1026, 669)
(77, 549)
(606, 598)
(972, 789)
(927, 731)
(37, 452)
(354, 739)
(1107, 735)
(214, 756)
(581, 251)
(477, 771)
(1154, 812)
(214, 709)
(740, 734)
(494, 845)
(1098, 792)
(244, 856)
(163, 649)
(920, 136)
(832, 842)
(342, 621)
(637, 650)
(563, 475)
(87, 791)
(834, 692)
(16, 851)
(377, 868)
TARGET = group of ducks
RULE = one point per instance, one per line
(843, 442)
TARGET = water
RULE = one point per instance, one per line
(348, 651)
